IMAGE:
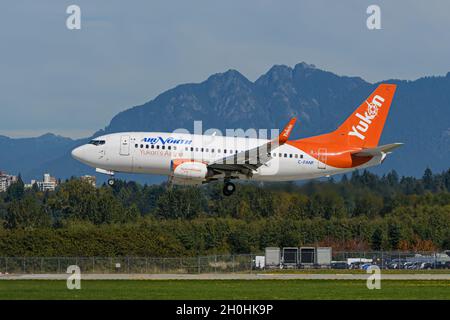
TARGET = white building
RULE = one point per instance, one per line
(6, 180)
(48, 183)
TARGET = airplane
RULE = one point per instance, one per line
(190, 159)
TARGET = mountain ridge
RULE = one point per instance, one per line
(320, 99)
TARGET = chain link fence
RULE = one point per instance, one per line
(203, 264)
(396, 259)
(217, 263)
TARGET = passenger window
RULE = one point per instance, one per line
(169, 148)
(280, 155)
(218, 150)
(196, 149)
(206, 150)
(174, 147)
(296, 156)
(153, 146)
(224, 150)
(301, 156)
(146, 146)
(212, 150)
(274, 154)
(136, 145)
(142, 146)
(201, 149)
(163, 147)
(157, 147)
(285, 155)
(290, 155)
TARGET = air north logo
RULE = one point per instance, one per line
(170, 140)
(366, 120)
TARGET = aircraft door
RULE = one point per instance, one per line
(125, 145)
(322, 157)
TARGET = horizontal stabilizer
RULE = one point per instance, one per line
(371, 152)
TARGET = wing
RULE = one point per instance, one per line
(246, 161)
(371, 152)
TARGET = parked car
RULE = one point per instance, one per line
(396, 264)
(442, 265)
(427, 265)
(366, 266)
(339, 265)
(356, 265)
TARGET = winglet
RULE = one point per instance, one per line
(284, 135)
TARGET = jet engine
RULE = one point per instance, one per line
(188, 172)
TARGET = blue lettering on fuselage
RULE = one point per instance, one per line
(169, 140)
(306, 162)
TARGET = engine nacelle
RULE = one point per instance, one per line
(188, 172)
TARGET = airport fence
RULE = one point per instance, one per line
(395, 259)
(203, 264)
(218, 263)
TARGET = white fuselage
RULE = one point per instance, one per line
(153, 153)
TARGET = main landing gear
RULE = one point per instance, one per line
(228, 188)
(111, 182)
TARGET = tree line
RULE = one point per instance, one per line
(361, 211)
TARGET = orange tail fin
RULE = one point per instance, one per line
(363, 128)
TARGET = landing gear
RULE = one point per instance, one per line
(228, 188)
(111, 182)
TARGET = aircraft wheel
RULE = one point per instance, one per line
(228, 189)
(111, 182)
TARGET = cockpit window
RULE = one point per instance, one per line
(97, 142)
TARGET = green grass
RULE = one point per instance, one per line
(224, 289)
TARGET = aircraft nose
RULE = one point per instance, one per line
(78, 153)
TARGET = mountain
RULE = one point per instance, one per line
(419, 116)
(229, 100)
(31, 157)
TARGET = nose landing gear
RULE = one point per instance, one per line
(228, 188)
(110, 173)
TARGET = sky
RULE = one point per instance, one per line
(72, 82)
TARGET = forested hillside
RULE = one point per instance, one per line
(363, 211)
